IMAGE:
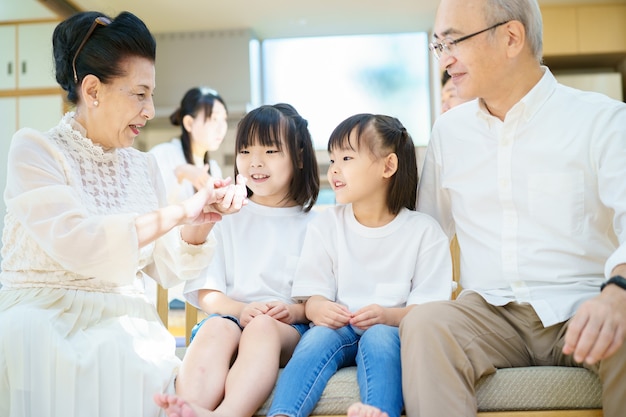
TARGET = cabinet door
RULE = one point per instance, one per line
(8, 71)
(36, 65)
(560, 36)
(602, 28)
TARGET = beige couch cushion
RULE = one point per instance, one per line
(532, 388)
(539, 388)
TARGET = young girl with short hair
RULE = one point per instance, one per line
(364, 263)
(231, 366)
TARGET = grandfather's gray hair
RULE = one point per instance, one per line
(525, 11)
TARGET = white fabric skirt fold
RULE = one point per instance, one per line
(75, 353)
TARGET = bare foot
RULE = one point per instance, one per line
(174, 406)
(363, 410)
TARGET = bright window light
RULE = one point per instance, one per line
(328, 79)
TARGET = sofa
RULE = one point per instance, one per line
(546, 391)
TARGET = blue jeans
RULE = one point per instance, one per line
(322, 351)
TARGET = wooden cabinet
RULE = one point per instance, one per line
(602, 29)
(38, 112)
(8, 51)
(584, 29)
(29, 93)
(26, 56)
(36, 64)
(560, 36)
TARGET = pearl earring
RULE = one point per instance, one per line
(95, 103)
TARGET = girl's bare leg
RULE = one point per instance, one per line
(206, 364)
(265, 345)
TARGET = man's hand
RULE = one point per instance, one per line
(598, 328)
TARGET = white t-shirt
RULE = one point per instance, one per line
(405, 262)
(538, 201)
(256, 255)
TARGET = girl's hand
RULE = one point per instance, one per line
(208, 205)
(282, 312)
(231, 197)
(368, 316)
(199, 177)
(323, 312)
(250, 311)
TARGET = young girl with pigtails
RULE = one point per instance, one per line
(364, 264)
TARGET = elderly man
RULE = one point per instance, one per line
(531, 177)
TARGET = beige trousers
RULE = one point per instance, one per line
(448, 346)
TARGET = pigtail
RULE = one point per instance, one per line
(403, 184)
(308, 181)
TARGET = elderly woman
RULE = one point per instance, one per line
(86, 224)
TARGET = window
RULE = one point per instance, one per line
(328, 79)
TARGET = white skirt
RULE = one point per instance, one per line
(74, 353)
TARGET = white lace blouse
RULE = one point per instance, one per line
(71, 209)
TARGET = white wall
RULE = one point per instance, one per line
(218, 59)
(24, 10)
(227, 61)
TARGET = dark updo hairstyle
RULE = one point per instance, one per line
(104, 50)
(383, 135)
(195, 100)
(270, 125)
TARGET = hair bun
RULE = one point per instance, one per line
(175, 118)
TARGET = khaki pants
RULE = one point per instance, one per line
(448, 346)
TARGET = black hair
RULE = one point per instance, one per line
(195, 100)
(383, 135)
(444, 78)
(277, 125)
(104, 50)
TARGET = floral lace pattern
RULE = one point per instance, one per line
(109, 181)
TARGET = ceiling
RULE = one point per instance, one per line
(283, 18)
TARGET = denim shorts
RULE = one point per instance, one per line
(300, 327)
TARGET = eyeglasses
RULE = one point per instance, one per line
(101, 20)
(447, 45)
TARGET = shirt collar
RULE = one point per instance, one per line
(530, 104)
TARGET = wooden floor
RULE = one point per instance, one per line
(556, 413)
